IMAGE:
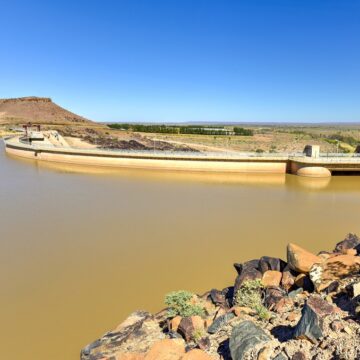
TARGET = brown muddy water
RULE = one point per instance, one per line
(82, 247)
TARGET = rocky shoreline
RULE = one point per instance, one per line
(307, 307)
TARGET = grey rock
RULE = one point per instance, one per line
(270, 263)
(220, 322)
(350, 242)
(244, 337)
(217, 297)
(174, 335)
(138, 332)
(310, 326)
(246, 265)
(294, 293)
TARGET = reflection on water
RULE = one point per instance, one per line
(310, 183)
(296, 182)
(82, 247)
(163, 175)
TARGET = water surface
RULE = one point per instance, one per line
(83, 247)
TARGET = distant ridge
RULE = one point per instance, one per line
(242, 123)
(40, 110)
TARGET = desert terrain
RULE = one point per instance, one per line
(271, 138)
(81, 132)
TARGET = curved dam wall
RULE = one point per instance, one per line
(186, 162)
(196, 162)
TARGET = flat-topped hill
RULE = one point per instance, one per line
(37, 110)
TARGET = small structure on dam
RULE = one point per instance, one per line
(312, 151)
(33, 133)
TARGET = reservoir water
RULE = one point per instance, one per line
(81, 248)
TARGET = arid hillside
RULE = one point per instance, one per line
(37, 110)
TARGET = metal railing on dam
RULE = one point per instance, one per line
(328, 158)
(233, 155)
(220, 155)
(35, 146)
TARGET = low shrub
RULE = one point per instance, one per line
(198, 334)
(183, 303)
(249, 295)
(262, 312)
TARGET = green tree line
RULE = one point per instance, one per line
(188, 129)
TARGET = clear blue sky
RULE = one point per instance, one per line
(186, 60)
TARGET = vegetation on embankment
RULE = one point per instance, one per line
(345, 143)
(343, 140)
(5, 131)
(275, 138)
(260, 138)
(307, 307)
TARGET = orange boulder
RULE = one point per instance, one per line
(271, 278)
(196, 354)
(300, 259)
(174, 323)
(134, 356)
(166, 349)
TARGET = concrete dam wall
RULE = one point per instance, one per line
(205, 162)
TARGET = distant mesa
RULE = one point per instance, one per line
(40, 110)
(26, 99)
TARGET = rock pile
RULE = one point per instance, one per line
(104, 140)
(307, 307)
